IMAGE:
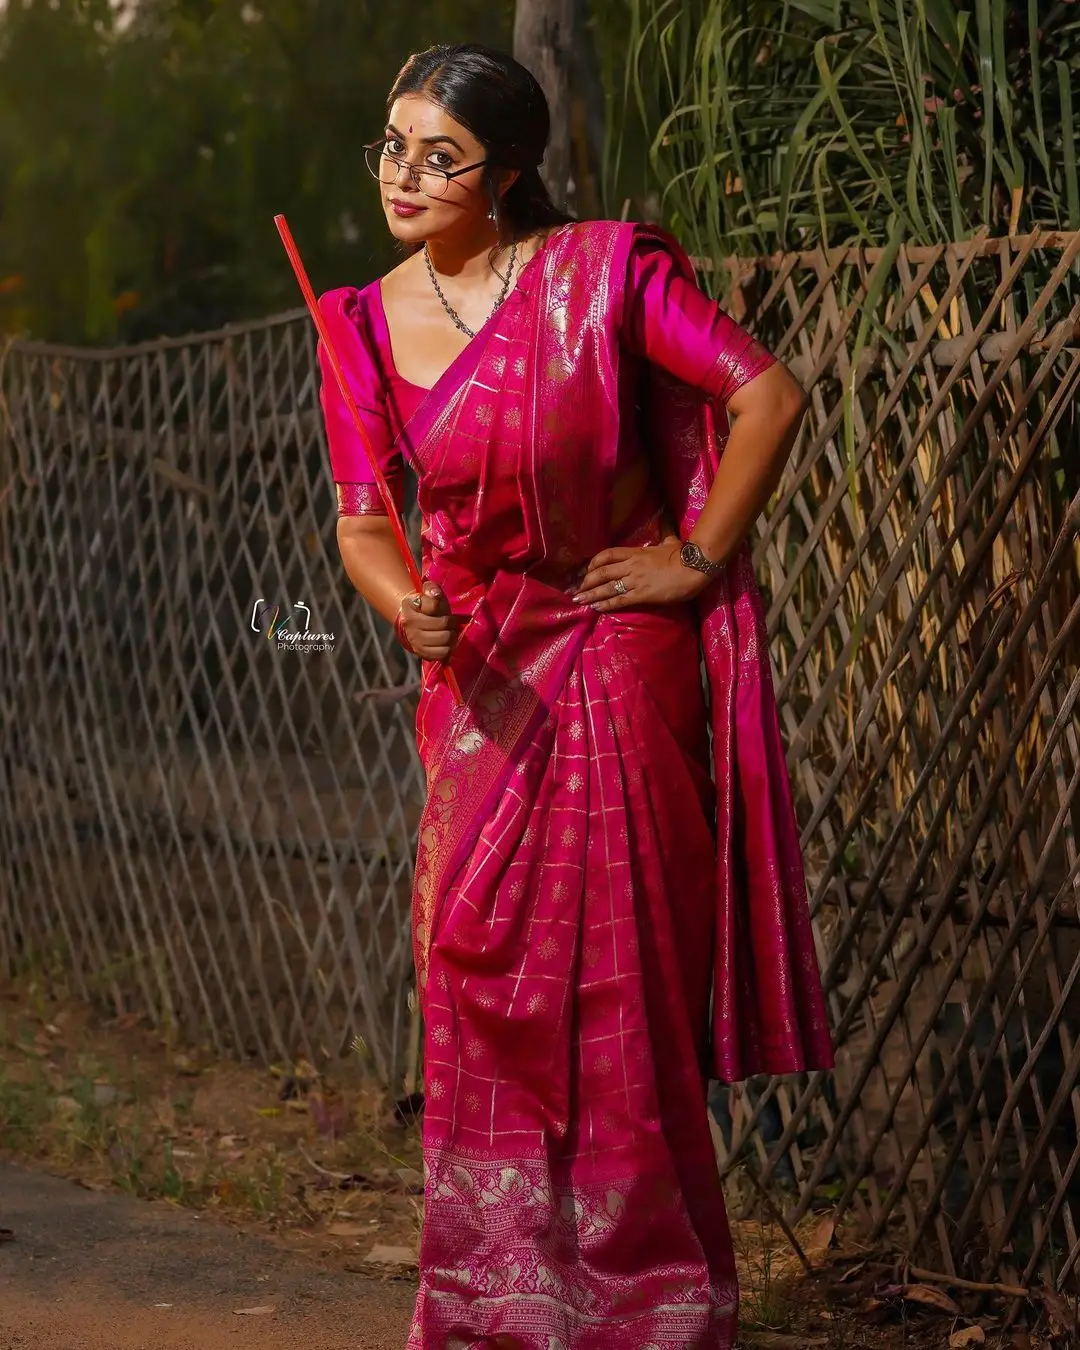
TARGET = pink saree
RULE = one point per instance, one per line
(601, 921)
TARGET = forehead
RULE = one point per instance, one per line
(417, 117)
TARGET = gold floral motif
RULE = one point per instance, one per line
(528, 1280)
(359, 499)
(470, 741)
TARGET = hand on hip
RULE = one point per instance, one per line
(623, 578)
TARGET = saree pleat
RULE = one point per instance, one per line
(573, 1193)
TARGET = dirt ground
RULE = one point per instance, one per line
(158, 1199)
(97, 1271)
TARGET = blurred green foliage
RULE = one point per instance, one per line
(145, 147)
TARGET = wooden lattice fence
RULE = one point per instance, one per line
(199, 824)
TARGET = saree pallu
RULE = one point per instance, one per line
(585, 886)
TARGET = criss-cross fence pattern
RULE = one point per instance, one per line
(195, 820)
(219, 832)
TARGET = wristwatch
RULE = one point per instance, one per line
(691, 556)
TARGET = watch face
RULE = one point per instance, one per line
(692, 556)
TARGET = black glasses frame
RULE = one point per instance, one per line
(415, 170)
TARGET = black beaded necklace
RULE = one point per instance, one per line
(455, 317)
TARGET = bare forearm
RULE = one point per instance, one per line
(761, 439)
(745, 480)
(373, 564)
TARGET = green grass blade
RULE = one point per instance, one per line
(1068, 146)
(986, 79)
(879, 278)
(1036, 72)
(828, 81)
(791, 154)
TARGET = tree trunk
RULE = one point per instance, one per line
(544, 42)
(589, 119)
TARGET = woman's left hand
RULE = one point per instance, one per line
(624, 578)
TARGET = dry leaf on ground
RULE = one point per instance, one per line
(262, 1311)
(821, 1239)
(1061, 1316)
(966, 1337)
(930, 1297)
(411, 1178)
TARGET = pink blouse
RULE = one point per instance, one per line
(666, 320)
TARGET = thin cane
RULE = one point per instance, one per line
(396, 522)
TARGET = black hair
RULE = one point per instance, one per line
(502, 104)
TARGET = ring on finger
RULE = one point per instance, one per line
(620, 587)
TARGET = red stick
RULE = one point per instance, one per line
(396, 522)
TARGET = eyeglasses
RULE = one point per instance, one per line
(430, 181)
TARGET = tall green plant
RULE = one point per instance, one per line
(788, 123)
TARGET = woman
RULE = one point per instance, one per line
(582, 886)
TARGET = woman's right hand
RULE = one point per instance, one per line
(431, 630)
